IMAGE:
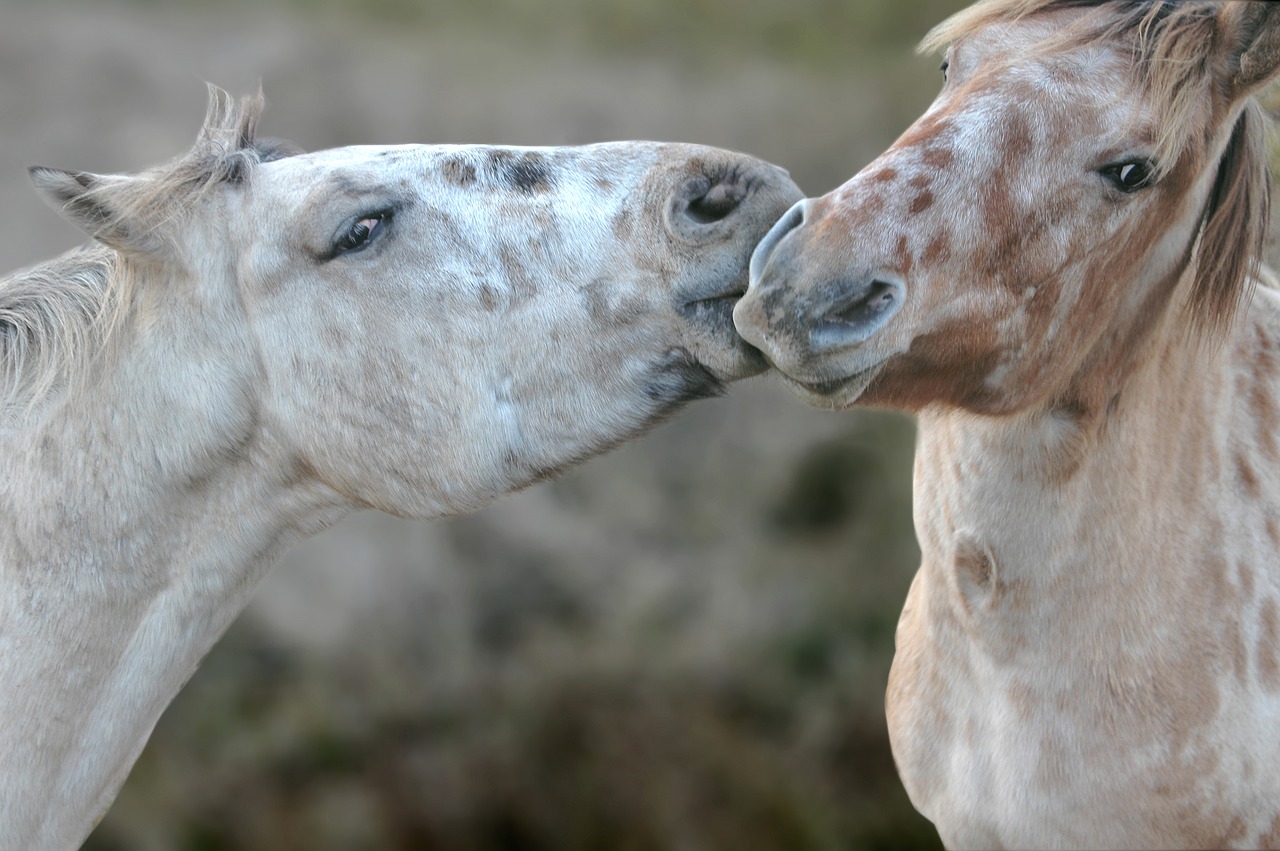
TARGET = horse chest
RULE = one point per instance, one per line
(1013, 726)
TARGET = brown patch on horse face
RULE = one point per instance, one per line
(938, 250)
(529, 174)
(949, 363)
(930, 135)
(921, 202)
(937, 157)
(458, 172)
(1018, 141)
(885, 175)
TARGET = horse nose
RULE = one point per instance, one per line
(790, 220)
(802, 303)
(859, 306)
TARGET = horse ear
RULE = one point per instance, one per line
(85, 200)
(1251, 33)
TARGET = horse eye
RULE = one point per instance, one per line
(361, 233)
(1129, 176)
(943, 68)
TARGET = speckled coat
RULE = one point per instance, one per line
(1055, 268)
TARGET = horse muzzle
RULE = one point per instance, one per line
(811, 311)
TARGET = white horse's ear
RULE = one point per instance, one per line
(86, 200)
(1250, 32)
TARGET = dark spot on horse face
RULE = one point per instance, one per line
(595, 296)
(344, 185)
(623, 226)
(489, 299)
(930, 132)
(884, 175)
(921, 202)
(336, 336)
(497, 162)
(458, 172)
(270, 149)
(1018, 142)
(529, 174)
(937, 251)
(937, 156)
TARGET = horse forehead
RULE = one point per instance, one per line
(1011, 109)
(478, 168)
(1037, 61)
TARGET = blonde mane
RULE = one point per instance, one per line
(58, 318)
(1173, 47)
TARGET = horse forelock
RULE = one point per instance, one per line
(1173, 48)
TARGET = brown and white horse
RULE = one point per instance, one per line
(262, 341)
(1055, 268)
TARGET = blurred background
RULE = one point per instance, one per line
(682, 645)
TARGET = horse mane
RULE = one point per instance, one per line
(58, 317)
(1173, 44)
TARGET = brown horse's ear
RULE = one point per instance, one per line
(1249, 32)
(88, 202)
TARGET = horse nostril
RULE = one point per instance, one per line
(717, 203)
(877, 298)
(865, 310)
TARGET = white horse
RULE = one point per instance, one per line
(263, 341)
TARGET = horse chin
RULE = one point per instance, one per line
(841, 392)
(679, 378)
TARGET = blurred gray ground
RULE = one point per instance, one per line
(680, 645)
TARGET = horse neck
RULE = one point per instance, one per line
(1066, 497)
(137, 516)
